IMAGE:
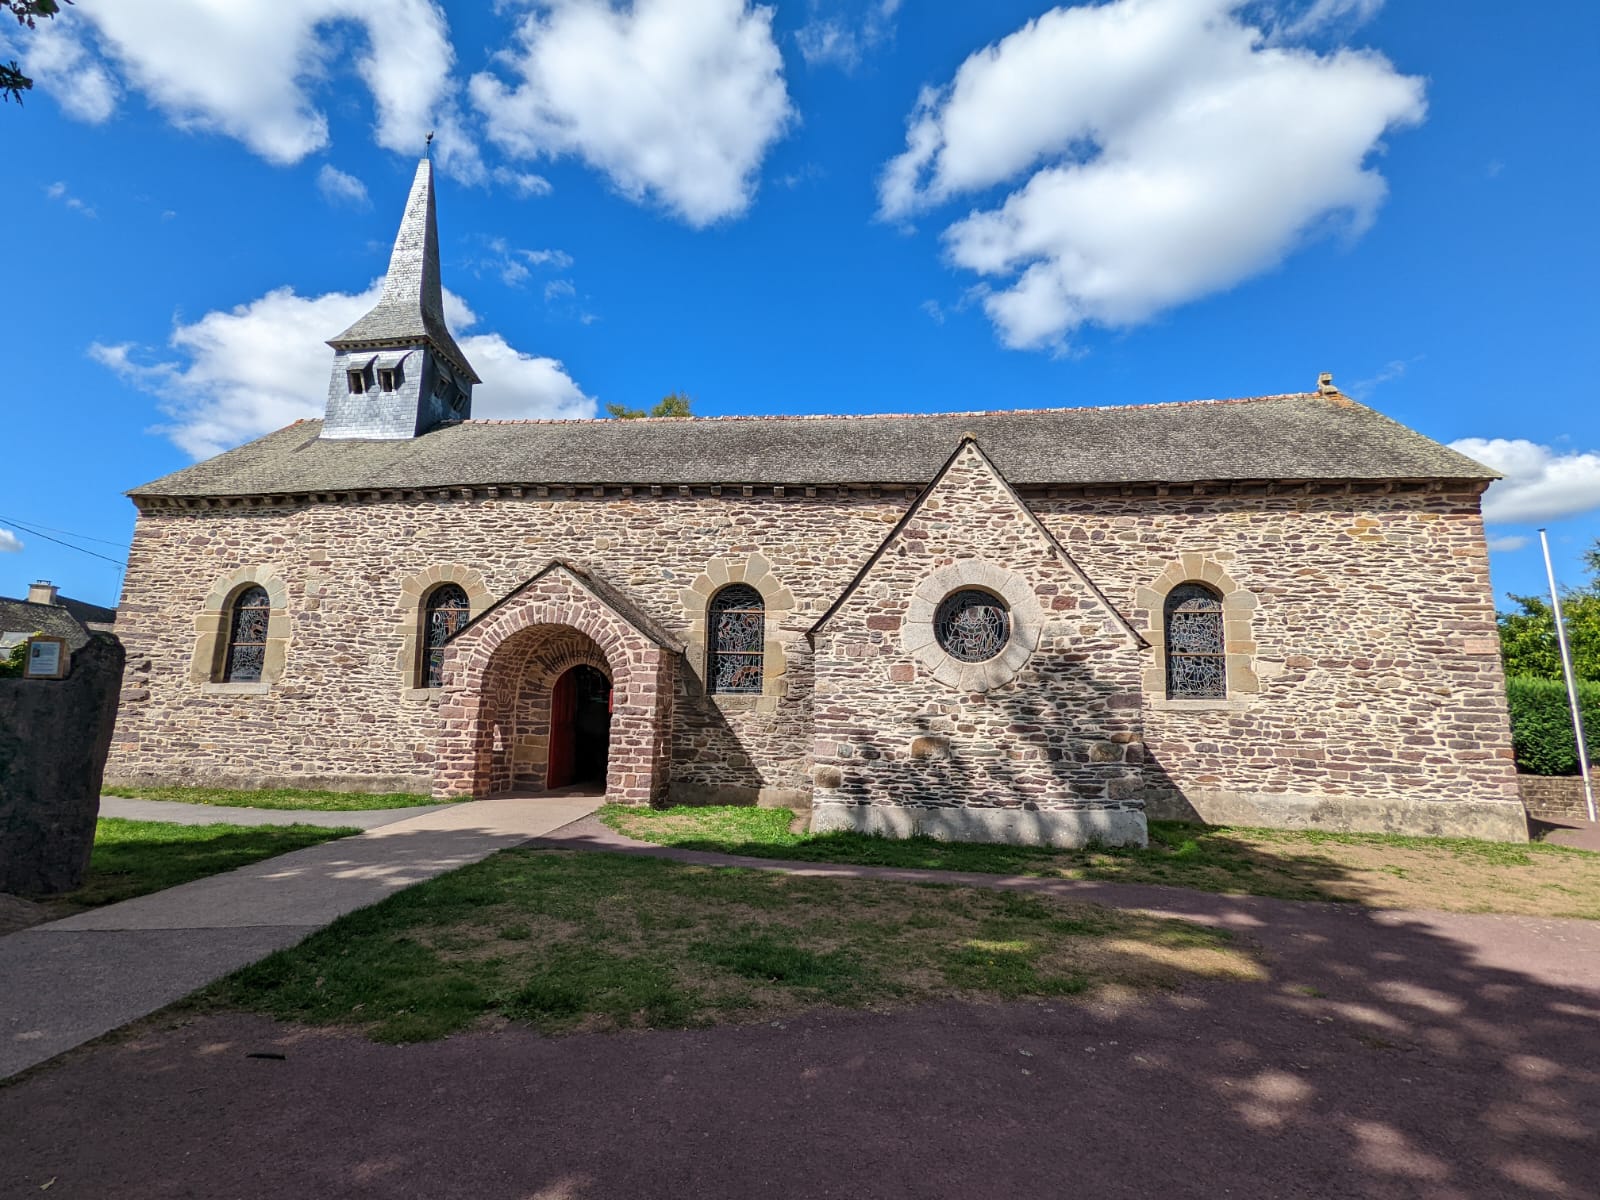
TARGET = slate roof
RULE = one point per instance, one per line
(20, 617)
(89, 614)
(411, 308)
(1293, 437)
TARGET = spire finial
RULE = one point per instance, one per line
(427, 146)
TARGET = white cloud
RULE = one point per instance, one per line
(10, 543)
(1540, 484)
(1394, 369)
(1170, 151)
(676, 101)
(513, 265)
(61, 66)
(523, 183)
(1325, 13)
(559, 259)
(518, 385)
(1505, 545)
(248, 68)
(60, 191)
(841, 42)
(339, 188)
(243, 372)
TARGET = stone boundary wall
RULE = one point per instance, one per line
(1553, 795)
(54, 734)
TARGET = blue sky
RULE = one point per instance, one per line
(817, 206)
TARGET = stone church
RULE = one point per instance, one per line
(1037, 625)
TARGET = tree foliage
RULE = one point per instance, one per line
(12, 81)
(673, 404)
(13, 663)
(1528, 637)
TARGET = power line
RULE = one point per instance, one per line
(82, 537)
(91, 553)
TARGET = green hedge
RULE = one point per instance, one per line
(1541, 724)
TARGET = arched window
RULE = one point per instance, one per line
(247, 636)
(737, 633)
(1196, 662)
(446, 611)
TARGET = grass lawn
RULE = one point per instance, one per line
(277, 798)
(580, 941)
(131, 858)
(1381, 870)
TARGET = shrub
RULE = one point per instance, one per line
(12, 663)
(1541, 724)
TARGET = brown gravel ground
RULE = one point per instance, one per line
(1416, 1056)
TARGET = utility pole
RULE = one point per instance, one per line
(1566, 672)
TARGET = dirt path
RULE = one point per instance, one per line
(1426, 1056)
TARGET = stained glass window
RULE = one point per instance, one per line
(738, 630)
(1196, 665)
(446, 612)
(247, 637)
(972, 626)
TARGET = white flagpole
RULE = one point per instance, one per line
(1566, 671)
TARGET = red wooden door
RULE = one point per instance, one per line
(563, 706)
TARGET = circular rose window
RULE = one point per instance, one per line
(972, 626)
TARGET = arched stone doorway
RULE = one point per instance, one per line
(528, 717)
(500, 676)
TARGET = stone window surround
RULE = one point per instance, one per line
(1238, 639)
(918, 638)
(211, 626)
(755, 571)
(413, 613)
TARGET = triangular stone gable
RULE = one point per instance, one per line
(969, 512)
(587, 585)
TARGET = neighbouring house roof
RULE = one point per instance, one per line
(411, 307)
(89, 614)
(20, 620)
(1302, 436)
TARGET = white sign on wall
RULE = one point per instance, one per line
(47, 658)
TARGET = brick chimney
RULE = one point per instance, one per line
(41, 591)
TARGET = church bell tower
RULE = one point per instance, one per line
(397, 372)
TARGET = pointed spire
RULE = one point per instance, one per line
(411, 308)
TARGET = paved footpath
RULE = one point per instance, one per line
(68, 981)
(217, 814)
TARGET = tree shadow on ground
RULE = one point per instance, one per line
(1389, 1054)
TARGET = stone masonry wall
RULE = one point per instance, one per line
(1381, 703)
(1040, 744)
(1373, 639)
(53, 739)
(1558, 796)
(343, 714)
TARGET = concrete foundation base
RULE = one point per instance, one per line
(700, 794)
(1486, 820)
(1066, 828)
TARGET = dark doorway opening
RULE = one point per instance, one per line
(580, 727)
